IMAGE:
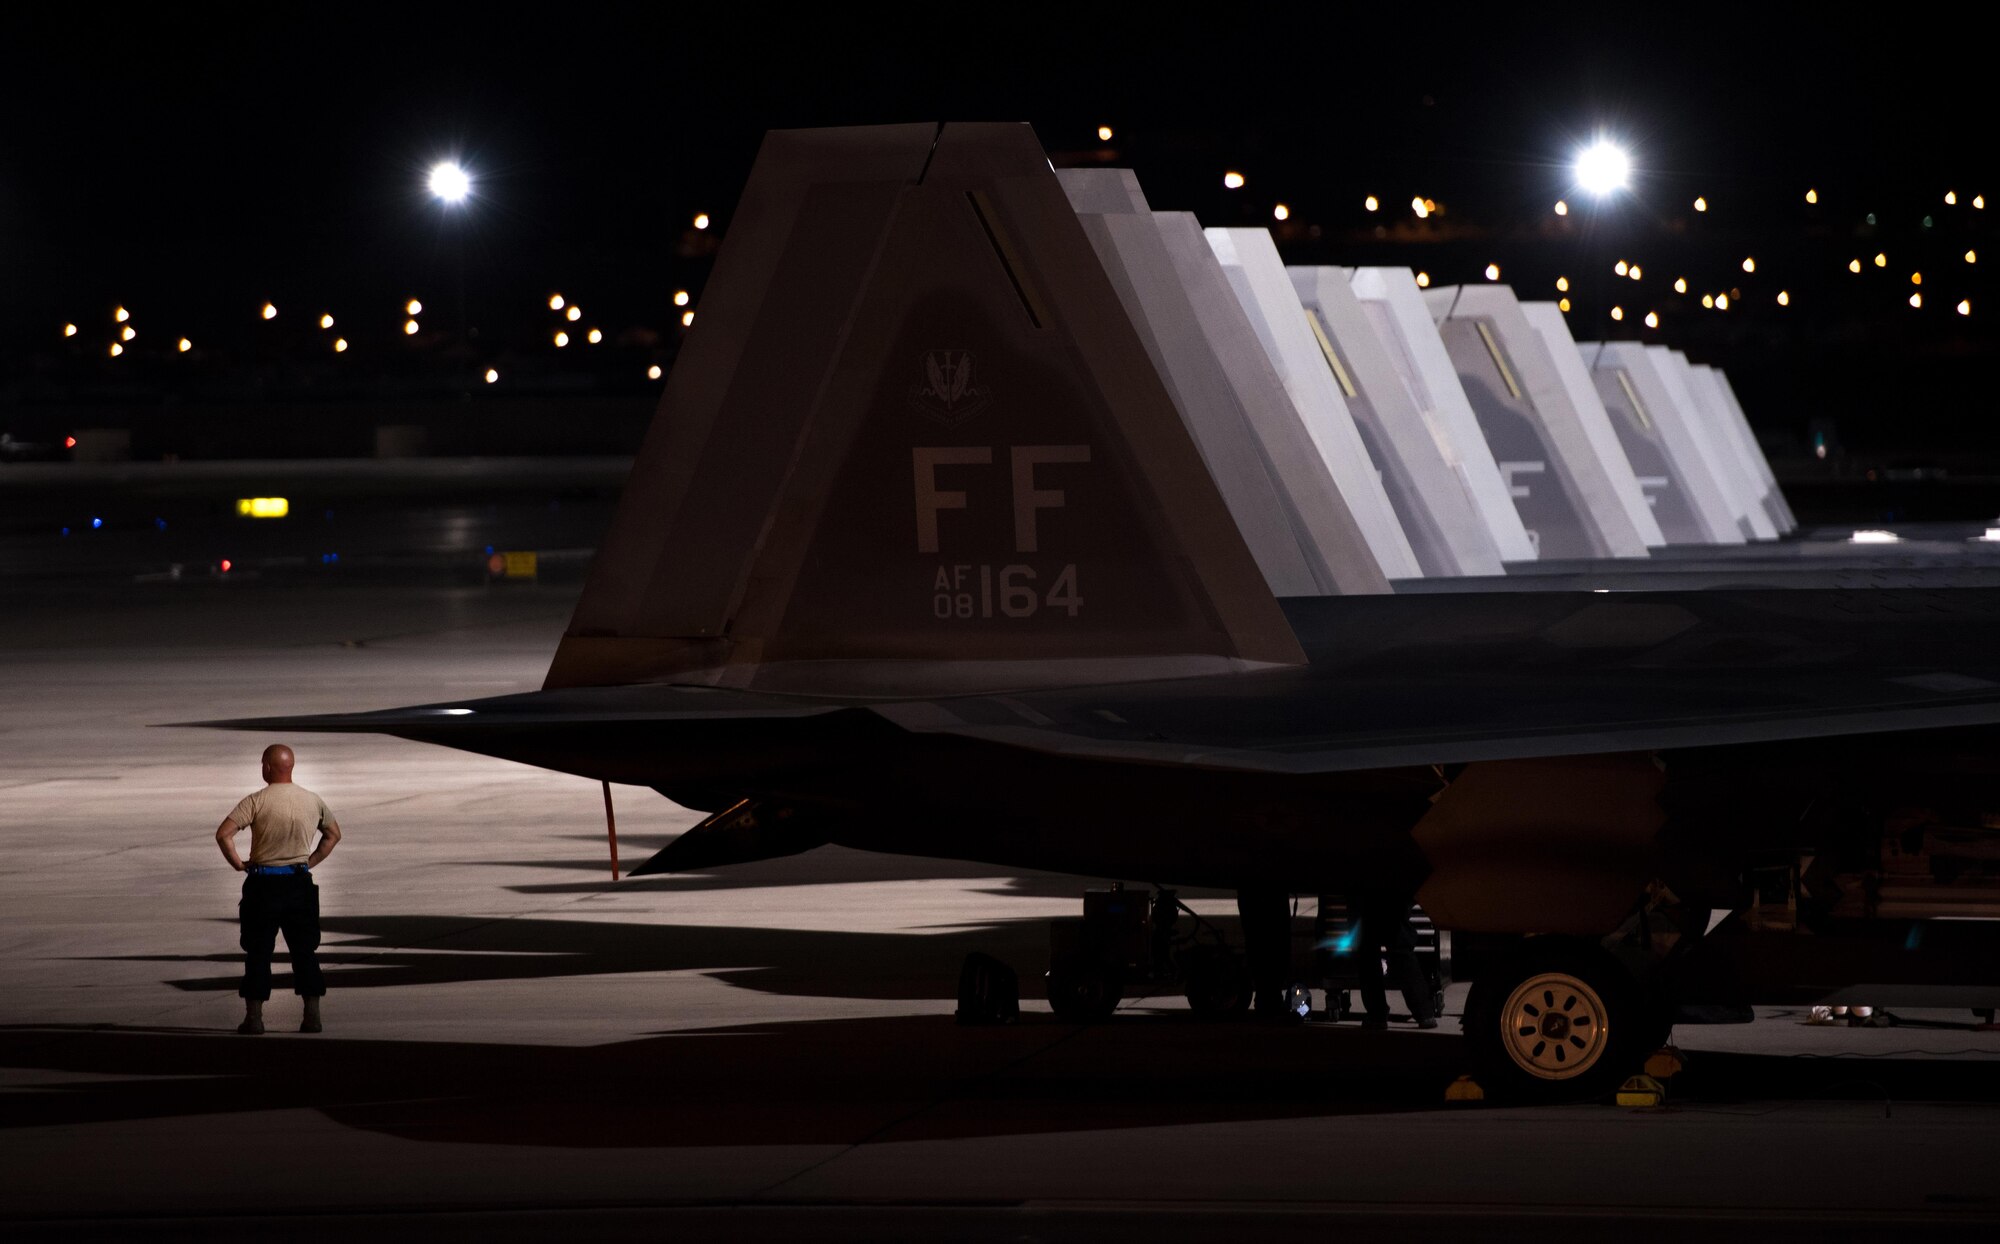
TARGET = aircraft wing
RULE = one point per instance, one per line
(1392, 682)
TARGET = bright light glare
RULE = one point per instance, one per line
(491, 375)
(1281, 212)
(1493, 272)
(116, 349)
(595, 336)
(185, 345)
(269, 312)
(1617, 313)
(1371, 203)
(263, 507)
(1854, 265)
(1979, 201)
(1417, 206)
(1708, 301)
(340, 346)
(680, 298)
(326, 321)
(1749, 265)
(1812, 196)
(562, 339)
(1784, 298)
(1972, 256)
(1951, 198)
(1562, 208)
(1621, 267)
(414, 307)
(1603, 167)
(1233, 180)
(1874, 536)
(1652, 319)
(555, 302)
(127, 333)
(1104, 133)
(1722, 302)
(1562, 285)
(701, 220)
(409, 328)
(1563, 306)
(1635, 272)
(1700, 204)
(653, 372)
(1680, 285)
(1881, 259)
(121, 315)
(687, 318)
(69, 330)
(449, 182)
(1917, 301)
(1423, 280)
(1965, 306)
(573, 314)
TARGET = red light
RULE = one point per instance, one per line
(69, 442)
(225, 565)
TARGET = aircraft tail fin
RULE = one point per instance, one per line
(914, 444)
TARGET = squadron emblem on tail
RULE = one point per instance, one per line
(948, 394)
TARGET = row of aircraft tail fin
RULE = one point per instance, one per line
(952, 417)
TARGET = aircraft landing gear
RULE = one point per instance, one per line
(1559, 1019)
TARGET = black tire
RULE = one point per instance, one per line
(1216, 982)
(1083, 992)
(1558, 1020)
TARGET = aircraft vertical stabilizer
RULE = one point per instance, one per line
(1560, 485)
(1660, 445)
(1257, 276)
(1394, 304)
(1416, 459)
(914, 444)
(1725, 411)
(1549, 323)
(1718, 448)
(1284, 499)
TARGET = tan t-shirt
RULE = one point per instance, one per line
(284, 820)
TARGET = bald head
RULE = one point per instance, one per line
(278, 763)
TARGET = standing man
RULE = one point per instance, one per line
(1385, 935)
(278, 891)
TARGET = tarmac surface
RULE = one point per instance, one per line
(516, 1045)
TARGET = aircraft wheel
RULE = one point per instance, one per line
(1083, 992)
(1217, 984)
(1560, 1020)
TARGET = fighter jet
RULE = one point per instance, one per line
(919, 556)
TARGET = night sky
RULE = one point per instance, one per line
(196, 161)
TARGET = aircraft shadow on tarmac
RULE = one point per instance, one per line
(823, 866)
(390, 951)
(872, 1080)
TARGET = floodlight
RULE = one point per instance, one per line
(1602, 168)
(449, 182)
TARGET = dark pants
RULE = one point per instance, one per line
(1385, 933)
(274, 905)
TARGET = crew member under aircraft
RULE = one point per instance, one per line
(278, 891)
(1384, 933)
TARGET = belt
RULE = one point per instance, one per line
(277, 870)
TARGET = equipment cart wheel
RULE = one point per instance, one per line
(1083, 991)
(1560, 1019)
(1216, 981)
